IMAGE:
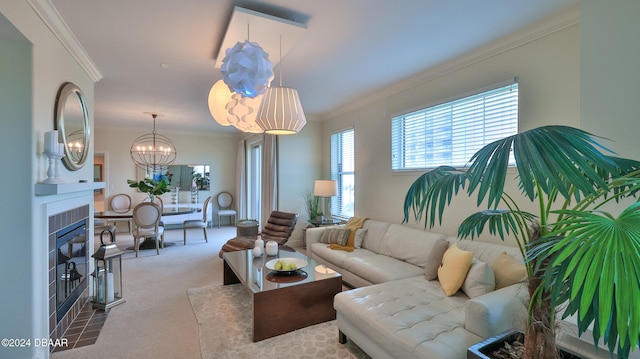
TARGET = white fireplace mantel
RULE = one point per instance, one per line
(43, 189)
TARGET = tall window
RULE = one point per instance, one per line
(450, 133)
(254, 180)
(343, 171)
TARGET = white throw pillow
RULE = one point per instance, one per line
(480, 279)
(359, 238)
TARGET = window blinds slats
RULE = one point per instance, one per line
(450, 133)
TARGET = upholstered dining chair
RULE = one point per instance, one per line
(146, 219)
(225, 201)
(158, 200)
(278, 228)
(120, 203)
(198, 223)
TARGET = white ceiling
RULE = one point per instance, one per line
(350, 49)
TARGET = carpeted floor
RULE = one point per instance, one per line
(224, 314)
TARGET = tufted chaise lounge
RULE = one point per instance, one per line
(395, 312)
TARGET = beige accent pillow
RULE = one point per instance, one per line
(434, 259)
(335, 235)
(508, 271)
(480, 279)
(359, 237)
(455, 265)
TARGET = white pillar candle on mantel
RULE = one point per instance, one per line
(51, 141)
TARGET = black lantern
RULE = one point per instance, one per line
(107, 276)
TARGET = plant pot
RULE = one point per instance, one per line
(484, 349)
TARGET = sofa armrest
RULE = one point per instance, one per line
(313, 236)
(493, 313)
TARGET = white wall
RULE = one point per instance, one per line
(548, 72)
(45, 66)
(16, 148)
(299, 166)
(609, 71)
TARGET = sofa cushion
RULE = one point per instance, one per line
(408, 244)
(484, 251)
(379, 268)
(480, 279)
(359, 237)
(337, 258)
(455, 265)
(508, 271)
(434, 259)
(375, 234)
(335, 235)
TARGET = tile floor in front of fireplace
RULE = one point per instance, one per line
(84, 330)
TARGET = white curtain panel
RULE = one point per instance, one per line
(269, 200)
(241, 180)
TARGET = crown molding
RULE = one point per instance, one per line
(544, 28)
(51, 17)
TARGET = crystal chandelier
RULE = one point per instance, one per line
(153, 152)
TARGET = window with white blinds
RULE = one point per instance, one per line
(343, 166)
(450, 133)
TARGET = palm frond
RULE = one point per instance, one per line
(554, 157)
(599, 259)
(432, 192)
(501, 222)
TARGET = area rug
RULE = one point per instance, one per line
(224, 320)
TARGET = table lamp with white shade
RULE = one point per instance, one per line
(325, 189)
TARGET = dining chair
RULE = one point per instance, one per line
(146, 217)
(120, 203)
(198, 223)
(158, 200)
(225, 200)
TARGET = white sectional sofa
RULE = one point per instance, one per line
(395, 312)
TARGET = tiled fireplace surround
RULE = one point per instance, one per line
(58, 221)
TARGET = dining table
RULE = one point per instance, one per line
(167, 211)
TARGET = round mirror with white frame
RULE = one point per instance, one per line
(72, 123)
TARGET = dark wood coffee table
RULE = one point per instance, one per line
(283, 303)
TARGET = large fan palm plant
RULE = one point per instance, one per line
(577, 255)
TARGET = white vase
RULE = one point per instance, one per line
(272, 248)
(257, 251)
(259, 243)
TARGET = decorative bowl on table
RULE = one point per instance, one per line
(286, 265)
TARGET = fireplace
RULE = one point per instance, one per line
(68, 267)
(72, 265)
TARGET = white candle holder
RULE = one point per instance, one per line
(53, 172)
